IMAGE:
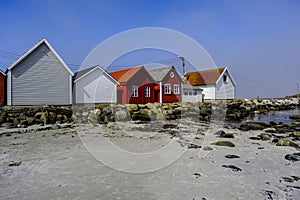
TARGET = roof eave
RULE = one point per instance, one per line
(34, 48)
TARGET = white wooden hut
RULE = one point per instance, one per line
(95, 85)
(39, 76)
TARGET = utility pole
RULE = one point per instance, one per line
(183, 64)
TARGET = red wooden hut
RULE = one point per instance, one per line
(168, 87)
(2, 88)
(136, 86)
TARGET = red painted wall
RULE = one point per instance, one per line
(176, 80)
(141, 79)
(2, 89)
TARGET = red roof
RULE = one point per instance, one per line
(125, 75)
(207, 77)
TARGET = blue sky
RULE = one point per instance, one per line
(257, 40)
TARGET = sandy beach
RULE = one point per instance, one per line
(59, 164)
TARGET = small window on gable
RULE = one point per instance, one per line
(225, 78)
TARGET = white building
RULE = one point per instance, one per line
(95, 85)
(215, 83)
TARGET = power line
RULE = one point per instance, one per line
(13, 56)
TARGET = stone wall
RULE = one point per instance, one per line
(238, 109)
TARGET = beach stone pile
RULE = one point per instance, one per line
(279, 134)
(23, 116)
(238, 109)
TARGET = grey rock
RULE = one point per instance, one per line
(231, 156)
(293, 157)
(224, 143)
(232, 167)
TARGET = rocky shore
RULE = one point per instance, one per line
(238, 109)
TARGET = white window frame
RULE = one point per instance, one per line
(168, 88)
(134, 91)
(176, 89)
(147, 91)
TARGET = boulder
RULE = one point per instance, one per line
(230, 156)
(207, 148)
(93, 118)
(42, 116)
(270, 130)
(22, 116)
(224, 143)
(160, 116)
(246, 126)
(73, 117)
(232, 167)
(296, 134)
(265, 136)
(131, 107)
(2, 119)
(286, 142)
(23, 122)
(294, 117)
(293, 157)
(31, 120)
(52, 117)
(120, 115)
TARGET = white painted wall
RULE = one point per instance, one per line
(96, 87)
(192, 98)
(225, 90)
(209, 91)
(39, 79)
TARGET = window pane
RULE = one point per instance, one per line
(176, 89)
(147, 91)
(134, 91)
(167, 89)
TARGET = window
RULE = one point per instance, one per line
(225, 77)
(167, 89)
(147, 91)
(134, 91)
(176, 89)
(171, 74)
(191, 93)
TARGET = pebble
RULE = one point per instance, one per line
(231, 156)
(12, 164)
(207, 148)
(232, 167)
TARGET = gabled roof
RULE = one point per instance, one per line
(160, 73)
(80, 74)
(1, 72)
(206, 77)
(123, 76)
(25, 55)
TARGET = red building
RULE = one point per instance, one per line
(136, 86)
(2, 88)
(168, 87)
